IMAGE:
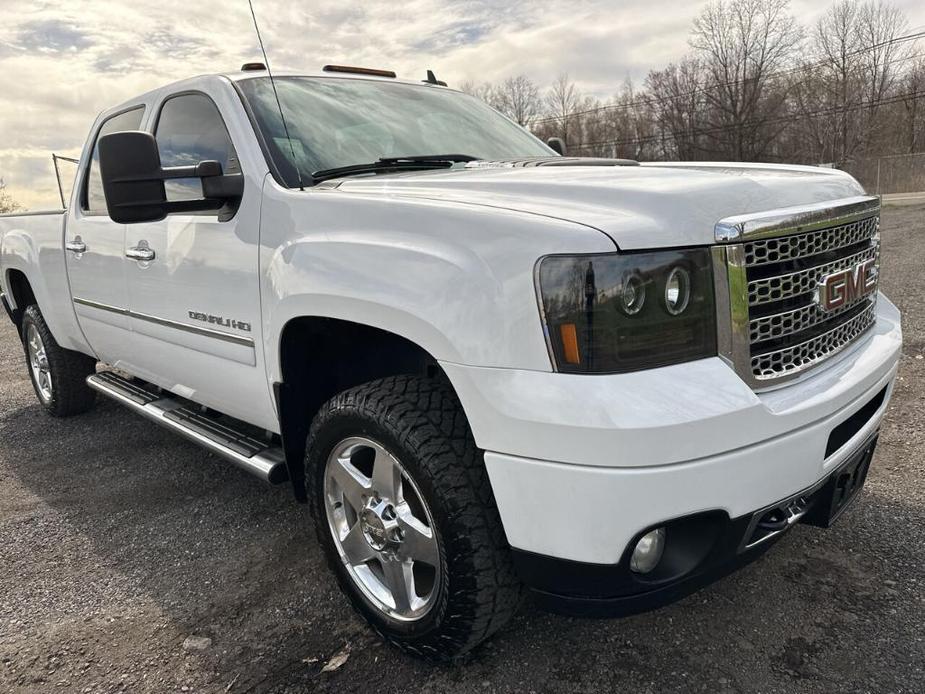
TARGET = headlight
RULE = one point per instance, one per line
(624, 312)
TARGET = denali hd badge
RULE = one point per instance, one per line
(219, 320)
(846, 286)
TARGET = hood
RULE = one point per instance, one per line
(649, 206)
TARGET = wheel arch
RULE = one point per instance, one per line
(20, 293)
(320, 357)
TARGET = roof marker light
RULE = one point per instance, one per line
(359, 70)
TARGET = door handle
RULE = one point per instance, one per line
(76, 246)
(140, 252)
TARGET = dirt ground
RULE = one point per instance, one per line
(118, 541)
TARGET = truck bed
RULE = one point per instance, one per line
(32, 244)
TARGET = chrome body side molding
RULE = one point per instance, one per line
(194, 329)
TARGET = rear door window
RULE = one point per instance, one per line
(93, 201)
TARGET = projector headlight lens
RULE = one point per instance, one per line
(621, 312)
(677, 291)
(634, 295)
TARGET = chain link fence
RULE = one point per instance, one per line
(901, 173)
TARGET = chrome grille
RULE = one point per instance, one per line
(801, 245)
(804, 354)
(788, 322)
(793, 284)
(772, 326)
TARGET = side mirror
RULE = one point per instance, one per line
(133, 181)
(557, 145)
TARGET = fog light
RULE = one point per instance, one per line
(648, 551)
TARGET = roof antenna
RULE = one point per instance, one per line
(432, 79)
(266, 62)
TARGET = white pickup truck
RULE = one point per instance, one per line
(486, 367)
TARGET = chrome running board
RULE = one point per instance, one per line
(249, 453)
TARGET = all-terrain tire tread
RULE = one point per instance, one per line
(69, 370)
(428, 419)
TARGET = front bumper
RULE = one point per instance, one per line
(700, 549)
(580, 465)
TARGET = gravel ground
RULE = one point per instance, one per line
(120, 542)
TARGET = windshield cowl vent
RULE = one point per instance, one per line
(549, 161)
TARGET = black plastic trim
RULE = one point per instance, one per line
(13, 314)
(585, 589)
(845, 431)
(293, 411)
(626, 605)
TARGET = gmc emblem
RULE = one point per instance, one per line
(846, 286)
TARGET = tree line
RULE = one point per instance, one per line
(7, 203)
(755, 85)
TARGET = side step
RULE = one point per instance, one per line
(257, 457)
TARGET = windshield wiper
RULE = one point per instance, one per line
(420, 162)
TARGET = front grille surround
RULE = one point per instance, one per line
(767, 269)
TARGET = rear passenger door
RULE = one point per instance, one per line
(95, 254)
(193, 284)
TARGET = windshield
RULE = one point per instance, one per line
(336, 122)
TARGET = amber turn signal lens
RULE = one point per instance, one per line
(570, 343)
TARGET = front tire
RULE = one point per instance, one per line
(58, 375)
(403, 508)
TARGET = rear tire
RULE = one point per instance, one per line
(58, 375)
(418, 426)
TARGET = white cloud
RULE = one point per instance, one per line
(63, 61)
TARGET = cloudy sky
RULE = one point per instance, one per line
(63, 61)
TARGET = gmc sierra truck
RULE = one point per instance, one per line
(487, 368)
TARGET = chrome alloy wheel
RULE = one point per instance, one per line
(38, 362)
(382, 528)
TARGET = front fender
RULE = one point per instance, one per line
(456, 280)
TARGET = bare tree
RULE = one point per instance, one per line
(880, 25)
(630, 123)
(519, 99)
(564, 100)
(743, 43)
(838, 88)
(913, 101)
(858, 54)
(811, 132)
(678, 107)
(481, 90)
(7, 203)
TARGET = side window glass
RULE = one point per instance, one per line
(190, 130)
(93, 201)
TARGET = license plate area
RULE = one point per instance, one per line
(841, 488)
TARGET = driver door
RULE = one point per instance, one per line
(193, 278)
